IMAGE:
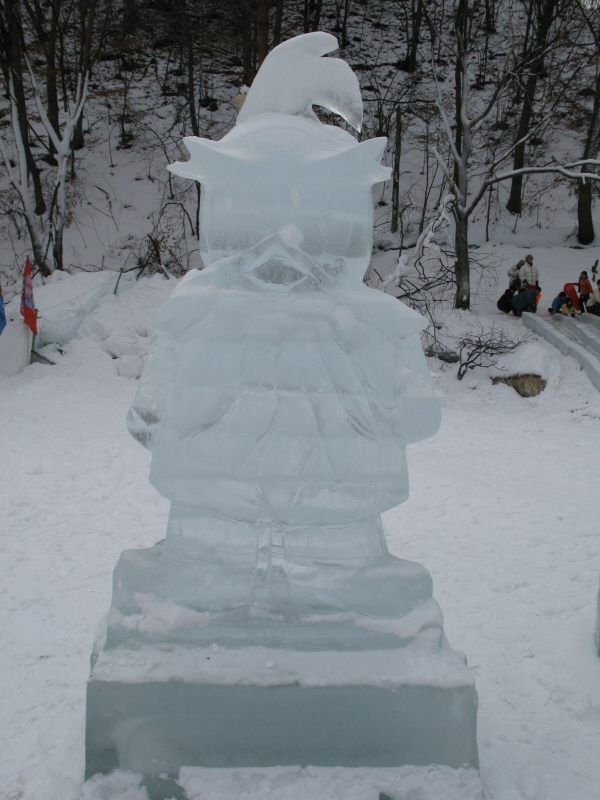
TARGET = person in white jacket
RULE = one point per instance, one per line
(529, 274)
(593, 303)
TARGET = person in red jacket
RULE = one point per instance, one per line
(585, 289)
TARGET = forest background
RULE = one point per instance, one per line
(491, 109)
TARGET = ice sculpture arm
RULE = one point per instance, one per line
(147, 412)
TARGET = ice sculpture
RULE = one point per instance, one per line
(278, 401)
(597, 629)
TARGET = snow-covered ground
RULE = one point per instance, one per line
(503, 512)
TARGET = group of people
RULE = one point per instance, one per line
(578, 298)
(524, 292)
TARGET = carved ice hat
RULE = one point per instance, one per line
(277, 128)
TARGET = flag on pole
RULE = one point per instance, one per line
(27, 306)
(2, 312)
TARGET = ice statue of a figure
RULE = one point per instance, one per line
(281, 392)
(278, 401)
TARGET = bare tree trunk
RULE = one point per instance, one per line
(57, 226)
(246, 28)
(263, 30)
(318, 7)
(409, 63)
(515, 200)
(57, 248)
(490, 19)
(585, 230)
(277, 23)
(345, 23)
(482, 74)
(585, 223)
(461, 267)
(12, 65)
(78, 142)
(488, 215)
(463, 145)
(51, 83)
(198, 199)
(47, 31)
(192, 83)
(130, 17)
(545, 11)
(396, 173)
(39, 255)
(87, 24)
(460, 26)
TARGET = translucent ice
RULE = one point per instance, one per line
(277, 402)
(283, 404)
(281, 392)
(293, 78)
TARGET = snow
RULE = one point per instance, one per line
(118, 786)
(160, 616)
(502, 511)
(532, 358)
(62, 291)
(554, 332)
(164, 616)
(422, 663)
(295, 783)
(321, 783)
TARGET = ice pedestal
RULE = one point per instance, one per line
(290, 710)
(233, 645)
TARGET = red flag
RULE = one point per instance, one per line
(27, 306)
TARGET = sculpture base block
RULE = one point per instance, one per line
(153, 711)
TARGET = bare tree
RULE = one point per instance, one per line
(12, 64)
(71, 35)
(396, 171)
(481, 348)
(585, 230)
(44, 230)
(413, 16)
(541, 16)
(464, 129)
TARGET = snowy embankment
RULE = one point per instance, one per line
(503, 512)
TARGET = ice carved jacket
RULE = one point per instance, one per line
(284, 408)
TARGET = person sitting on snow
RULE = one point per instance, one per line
(558, 301)
(525, 300)
(505, 302)
(568, 309)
